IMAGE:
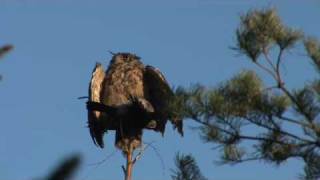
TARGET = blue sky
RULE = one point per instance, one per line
(57, 44)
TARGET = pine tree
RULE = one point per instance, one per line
(226, 111)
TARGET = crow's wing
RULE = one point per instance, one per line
(160, 96)
(95, 117)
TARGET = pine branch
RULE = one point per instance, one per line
(278, 130)
(240, 136)
(290, 120)
(186, 169)
(266, 69)
(278, 67)
(266, 55)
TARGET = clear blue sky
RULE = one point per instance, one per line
(57, 44)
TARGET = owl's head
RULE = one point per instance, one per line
(119, 58)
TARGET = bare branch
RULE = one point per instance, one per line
(294, 121)
(266, 69)
(278, 66)
(124, 170)
(234, 162)
(266, 55)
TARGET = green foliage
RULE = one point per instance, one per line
(186, 168)
(312, 47)
(273, 151)
(178, 105)
(226, 112)
(236, 96)
(261, 29)
(306, 103)
(232, 153)
(312, 168)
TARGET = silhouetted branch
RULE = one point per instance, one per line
(66, 169)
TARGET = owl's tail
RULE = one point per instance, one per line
(127, 138)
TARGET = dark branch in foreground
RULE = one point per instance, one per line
(132, 111)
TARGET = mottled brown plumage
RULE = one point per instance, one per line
(135, 91)
(95, 117)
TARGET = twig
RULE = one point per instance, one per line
(270, 88)
(217, 147)
(278, 65)
(267, 70)
(269, 60)
(159, 156)
(294, 121)
(124, 170)
(83, 97)
(234, 162)
(247, 160)
(281, 84)
(96, 165)
(245, 137)
(138, 156)
(279, 130)
(104, 160)
(112, 53)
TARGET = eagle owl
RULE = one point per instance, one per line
(128, 81)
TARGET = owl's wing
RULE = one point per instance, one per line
(95, 117)
(160, 95)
